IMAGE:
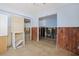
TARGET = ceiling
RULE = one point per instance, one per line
(29, 8)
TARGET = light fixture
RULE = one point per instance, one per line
(39, 4)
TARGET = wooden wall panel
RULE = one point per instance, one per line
(68, 38)
(34, 33)
(3, 44)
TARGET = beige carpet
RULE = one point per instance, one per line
(41, 48)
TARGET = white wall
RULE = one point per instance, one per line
(35, 22)
(3, 25)
(68, 16)
(17, 24)
(49, 21)
(35, 19)
(42, 23)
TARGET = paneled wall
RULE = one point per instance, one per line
(68, 38)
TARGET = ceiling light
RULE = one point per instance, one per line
(39, 4)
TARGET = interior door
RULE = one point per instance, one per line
(34, 33)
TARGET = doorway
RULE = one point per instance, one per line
(27, 29)
(48, 29)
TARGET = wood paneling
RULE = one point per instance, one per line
(3, 44)
(34, 33)
(68, 38)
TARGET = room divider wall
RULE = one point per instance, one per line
(17, 31)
